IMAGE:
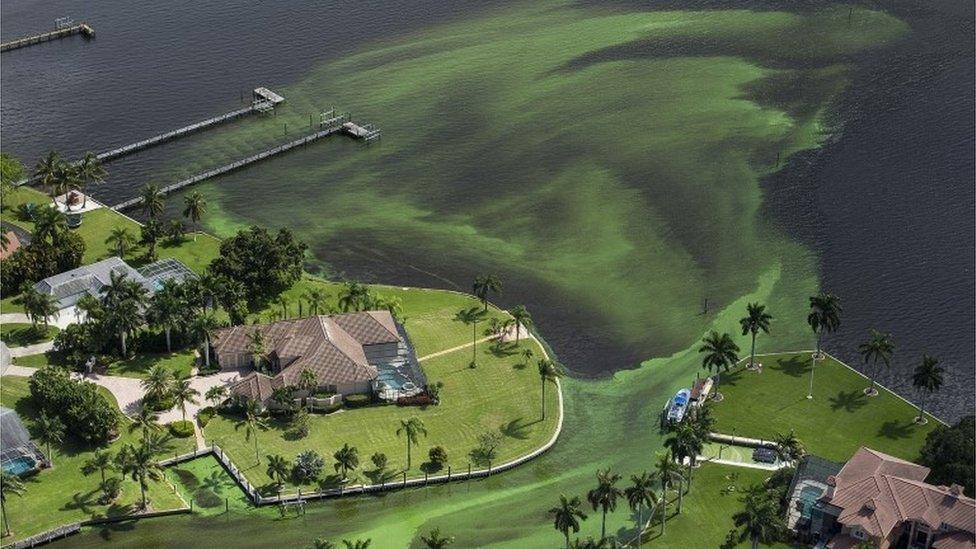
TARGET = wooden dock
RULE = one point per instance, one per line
(330, 125)
(83, 29)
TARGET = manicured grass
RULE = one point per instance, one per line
(10, 304)
(205, 482)
(179, 363)
(20, 335)
(500, 396)
(62, 494)
(834, 424)
(707, 509)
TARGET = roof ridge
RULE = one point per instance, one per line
(371, 316)
(894, 497)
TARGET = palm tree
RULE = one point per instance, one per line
(485, 284)
(48, 170)
(158, 382)
(121, 240)
(278, 469)
(928, 377)
(152, 201)
(639, 494)
(194, 206)
(605, 496)
(49, 224)
(435, 540)
(316, 300)
(100, 461)
(354, 297)
(878, 348)
(668, 472)
(527, 355)
(548, 372)
(346, 458)
(9, 484)
(201, 327)
(567, 516)
(755, 321)
(411, 429)
(146, 419)
(759, 520)
(257, 348)
(140, 464)
(471, 317)
(322, 543)
(216, 395)
(721, 353)
(184, 394)
(685, 442)
(50, 430)
(252, 422)
(308, 382)
(521, 317)
(167, 309)
(358, 544)
(788, 447)
(121, 288)
(824, 316)
(90, 171)
(149, 237)
(40, 307)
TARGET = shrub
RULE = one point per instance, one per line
(948, 451)
(41, 259)
(422, 399)
(84, 411)
(181, 429)
(358, 401)
(111, 489)
(263, 264)
(437, 455)
(379, 460)
(308, 466)
(159, 404)
(327, 409)
(205, 415)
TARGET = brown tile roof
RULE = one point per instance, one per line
(878, 492)
(955, 540)
(13, 244)
(329, 346)
(255, 386)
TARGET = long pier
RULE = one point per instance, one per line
(330, 125)
(83, 29)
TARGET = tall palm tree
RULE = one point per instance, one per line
(354, 297)
(152, 201)
(789, 447)
(759, 520)
(184, 394)
(548, 372)
(121, 288)
(49, 225)
(278, 469)
(121, 240)
(167, 309)
(685, 442)
(9, 484)
(100, 461)
(150, 233)
(48, 170)
(194, 206)
(308, 382)
(38, 306)
(721, 353)
(346, 458)
(411, 430)
(472, 317)
(928, 377)
(605, 496)
(158, 382)
(145, 420)
(824, 316)
(435, 540)
(639, 494)
(322, 543)
(252, 422)
(140, 464)
(216, 395)
(281, 301)
(315, 299)
(50, 430)
(91, 172)
(669, 473)
(203, 324)
(124, 318)
(485, 284)
(756, 320)
(567, 516)
(521, 317)
(877, 349)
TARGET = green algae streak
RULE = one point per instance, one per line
(610, 159)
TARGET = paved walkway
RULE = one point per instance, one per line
(34, 349)
(65, 318)
(508, 335)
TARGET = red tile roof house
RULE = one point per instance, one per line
(343, 351)
(885, 501)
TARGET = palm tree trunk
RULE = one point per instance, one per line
(565, 533)
(102, 470)
(755, 542)
(50, 456)
(124, 353)
(408, 452)
(640, 525)
(169, 346)
(603, 526)
(206, 350)
(921, 408)
(518, 332)
(680, 494)
(664, 511)
(142, 490)
(474, 343)
(257, 456)
(543, 399)
(752, 354)
(6, 523)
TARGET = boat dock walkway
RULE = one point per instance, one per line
(62, 30)
(330, 124)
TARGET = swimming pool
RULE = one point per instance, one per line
(808, 497)
(20, 465)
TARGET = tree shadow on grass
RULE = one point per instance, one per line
(430, 467)
(796, 366)
(330, 482)
(895, 429)
(86, 503)
(380, 476)
(850, 401)
(503, 350)
(517, 428)
(731, 378)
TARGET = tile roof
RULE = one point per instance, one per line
(878, 492)
(329, 346)
(68, 286)
(13, 244)
(256, 386)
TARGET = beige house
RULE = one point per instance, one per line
(343, 352)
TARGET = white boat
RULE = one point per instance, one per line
(677, 406)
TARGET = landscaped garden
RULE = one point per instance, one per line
(64, 494)
(833, 425)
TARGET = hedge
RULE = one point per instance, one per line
(181, 429)
(357, 401)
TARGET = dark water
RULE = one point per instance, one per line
(888, 207)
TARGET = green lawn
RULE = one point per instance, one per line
(62, 494)
(20, 335)
(205, 482)
(179, 363)
(834, 424)
(500, 396)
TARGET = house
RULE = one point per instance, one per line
(68, 287)
(880, 499)
(353, 353)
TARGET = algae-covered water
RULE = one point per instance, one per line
(612, 163)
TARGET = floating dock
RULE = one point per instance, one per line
(63, 29)
(330, 124)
